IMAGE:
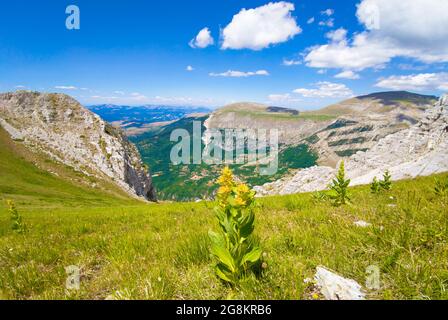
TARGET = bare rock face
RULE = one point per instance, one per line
(59, 126)
(420, 150)
(351, 134)
(307, 180)
(363, 121)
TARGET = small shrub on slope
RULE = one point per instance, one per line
(339, 187)
(234, 247)
(375, 187)
(386, 183)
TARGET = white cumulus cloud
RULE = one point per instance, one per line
(286, 97)
(261, 27)
(326, 90)
(66, 87)
(328, 12)
(327, 23)
(139, 99)
(203, 39)
(311, 20)
(393, 28)
(347, 75)
(136, 96)
(240, 74)
(416, 82)
(364, 52)
(330, 21)
(291, 62)
(189, 68)
(337, 36)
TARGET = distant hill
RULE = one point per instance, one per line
(382, 102)
(293, 126)
(306, 138)
(391, 98)
(283, 110)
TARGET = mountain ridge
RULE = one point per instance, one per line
(420, 150)
(57, 125)
(381, 102)
(305, 140)
(94, 147)
(334, 132)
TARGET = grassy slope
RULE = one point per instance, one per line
(161, 251)
(284, 116)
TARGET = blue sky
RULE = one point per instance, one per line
(137, 52)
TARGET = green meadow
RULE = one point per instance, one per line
(127, 249)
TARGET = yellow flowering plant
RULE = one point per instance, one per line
(16, 219)
(234, 248)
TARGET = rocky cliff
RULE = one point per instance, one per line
(60, 127)
(420, 150)
(364, 120)
(335, 132)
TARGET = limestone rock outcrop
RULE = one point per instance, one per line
(420, 150)
(60, 127)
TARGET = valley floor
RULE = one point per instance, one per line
(160, 251)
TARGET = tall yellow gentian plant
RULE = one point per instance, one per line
(233, 247)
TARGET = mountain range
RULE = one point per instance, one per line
(321, 137)
(59, 128)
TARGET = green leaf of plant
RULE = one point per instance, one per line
(216, 239)
(222, 274)
(252, 256)
(248, 225)
(224, 257)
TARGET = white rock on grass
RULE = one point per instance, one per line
(335, 287)
(362, 224)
